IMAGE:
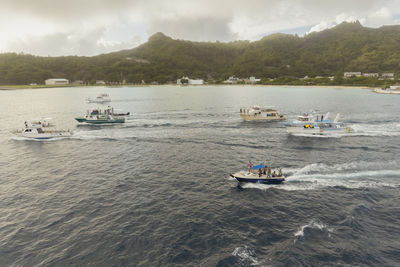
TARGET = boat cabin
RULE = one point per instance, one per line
(304, 118)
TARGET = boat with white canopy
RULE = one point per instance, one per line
(256, 113)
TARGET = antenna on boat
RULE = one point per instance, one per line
(337, 118)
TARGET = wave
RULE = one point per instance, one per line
(245, 255)
(310, 228)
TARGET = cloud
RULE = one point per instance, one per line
(370, 14)
(97, 26)
(59, 44)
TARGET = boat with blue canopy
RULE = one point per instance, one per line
(259, 174)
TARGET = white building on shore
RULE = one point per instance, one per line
(100, 82)
(373, 74)
(56, 81)
(352, 74)
(253, 79)
(190, 81)
(232, 79)
(388, 75)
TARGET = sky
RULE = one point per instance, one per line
(91, 27)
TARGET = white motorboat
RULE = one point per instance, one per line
(100, 99)
(257, 113)
(312, 124)
(106, 116)
(42, 131)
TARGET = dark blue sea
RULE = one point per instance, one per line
(156, 190)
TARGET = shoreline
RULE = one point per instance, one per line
(386, 91)
(27, 87)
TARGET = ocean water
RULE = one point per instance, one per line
(156, 190)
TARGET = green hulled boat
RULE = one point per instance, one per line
(97, 116)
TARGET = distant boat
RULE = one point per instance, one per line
(98, 116)
(100, 99)
(257, 113)
(393, 90)
(312, 124)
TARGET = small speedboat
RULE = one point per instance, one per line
(100, 99)
(257, 113)
(261, 177)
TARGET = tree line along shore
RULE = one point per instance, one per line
(277, 59)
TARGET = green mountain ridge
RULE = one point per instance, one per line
(346, 47)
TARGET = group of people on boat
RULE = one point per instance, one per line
(244, 111)
(265, 170)
(38, 123)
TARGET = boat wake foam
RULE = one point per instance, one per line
(382, 129)
(359, 129)
(348, 175)
(20, 138)
(103, 134)
(245, 255)
(313, 225)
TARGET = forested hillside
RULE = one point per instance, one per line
(346, 47)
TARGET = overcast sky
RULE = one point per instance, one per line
(91, 27)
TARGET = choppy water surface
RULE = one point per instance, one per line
(156, 190)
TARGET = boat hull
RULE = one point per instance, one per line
(250, 117)
(98, 101)
(317, 130)
(100, 121)
(259, 180)
(45, 136)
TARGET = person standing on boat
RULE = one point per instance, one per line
(250, 166)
